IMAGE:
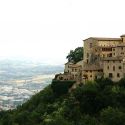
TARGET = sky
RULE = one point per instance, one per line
(47, 30)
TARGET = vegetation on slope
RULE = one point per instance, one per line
(97, 103)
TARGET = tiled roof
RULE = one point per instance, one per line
(104, 39)
(123, 35)
(69, 63)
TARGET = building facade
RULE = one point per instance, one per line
(104, 57)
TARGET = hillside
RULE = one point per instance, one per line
(97, 103)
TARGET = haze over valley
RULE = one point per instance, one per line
(20, 79)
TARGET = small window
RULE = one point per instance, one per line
(90, 75)
(118, 74)
(119, 61)
(113, 68)
(90, 45)
(110, 75)
(120, 67)
(87, 60)
(107, 67)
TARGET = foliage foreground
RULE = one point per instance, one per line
(95, 103)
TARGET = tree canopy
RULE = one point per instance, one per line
(75, 55)
(90, 104)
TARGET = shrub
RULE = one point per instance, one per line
(61, 87)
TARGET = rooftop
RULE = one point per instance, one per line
(104, 39)
(122, 35)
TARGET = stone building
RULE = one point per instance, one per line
(104, 57)
(72, 72)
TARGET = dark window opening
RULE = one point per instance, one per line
(118, 74)
(110, 75)
(90, 45)
(120, 67)
(107, 67)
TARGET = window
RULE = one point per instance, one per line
(118, 74)
(87, 60)
(120, 67)
(90, 75)
(110, 75)
(113, 68)
(107, 67)
(90, 45)
(109, 55)
(113, 61)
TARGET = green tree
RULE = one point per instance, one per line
(61, 87)
(87, 97)
(122, 82)
(111, 116)
(56, 120)
(22, 118)
(88, 120)
(75, 55)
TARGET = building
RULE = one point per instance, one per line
(104, 57)
(72, 72)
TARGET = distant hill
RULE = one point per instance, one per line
(20, 79)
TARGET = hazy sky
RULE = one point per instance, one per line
(48, 29)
